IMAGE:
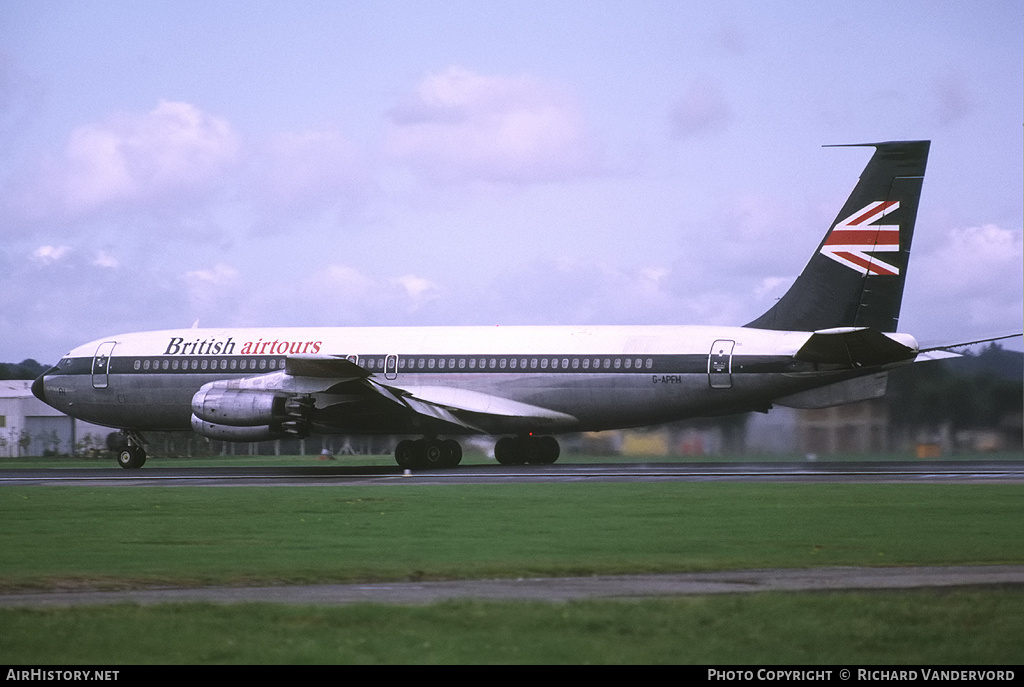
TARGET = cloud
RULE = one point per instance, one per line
(212, 290)
(417, 289)
(105, 260)
(980, 270)
(47, 255)
(349, 296)
(703, 109)
(461, 126)
(173, 149)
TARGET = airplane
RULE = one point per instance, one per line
(831, 339)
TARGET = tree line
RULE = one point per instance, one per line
(983, 390)
(26, 369)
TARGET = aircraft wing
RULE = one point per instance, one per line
(347, 396)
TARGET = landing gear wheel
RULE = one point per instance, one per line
(546, 452)
(407, 454)
(528, 449)
(435, 454)
(428, 453)
(509, 451)
(454, 452)
(131, 457)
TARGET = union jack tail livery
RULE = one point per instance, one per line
(852, 239)
(856, 277)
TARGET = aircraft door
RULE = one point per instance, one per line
(720, 364)
(391, 366)
(101, 365)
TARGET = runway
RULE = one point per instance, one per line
(977, 472)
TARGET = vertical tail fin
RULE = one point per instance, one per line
(856, 277)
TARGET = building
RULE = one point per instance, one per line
(29, 427)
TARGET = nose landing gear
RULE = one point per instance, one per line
(129, 448)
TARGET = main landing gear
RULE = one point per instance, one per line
(447, 453)
(428, 453)
(526, 449)
(129, 447)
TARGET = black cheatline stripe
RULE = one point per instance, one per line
(443, 364)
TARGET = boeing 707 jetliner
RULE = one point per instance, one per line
(831, 339)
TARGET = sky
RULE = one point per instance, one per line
(504, 162)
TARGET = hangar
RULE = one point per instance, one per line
(29, 427)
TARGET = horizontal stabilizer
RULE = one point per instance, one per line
(856, 347)
(925, 356)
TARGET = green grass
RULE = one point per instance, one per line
(202, 535)
(116, 537)
(919, 627)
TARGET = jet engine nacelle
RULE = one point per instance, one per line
(248, 408)
(280, 430)
(237, 407)
(249, 414)
(211, 430)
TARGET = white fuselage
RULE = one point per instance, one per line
(514, 379)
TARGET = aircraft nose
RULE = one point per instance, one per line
(38, 389)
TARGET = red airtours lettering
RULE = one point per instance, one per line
(179, 346)
(854, 237)
(278, 347)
